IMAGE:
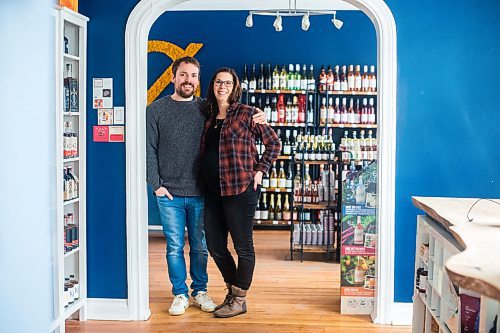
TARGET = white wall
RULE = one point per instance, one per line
(27, 165)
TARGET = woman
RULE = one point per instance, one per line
(232, 172)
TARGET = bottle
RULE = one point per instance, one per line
(71, 90)
(256, 216)
(298, 77)
(264, 212)
(360, 192)
(287, 147)
(67, 140)
(343, 111)
(373, 79)
(267, 110)
(278, 213)
(76, 285)
(276, 78)
(336, 111)
(357, 78)
(283, 78)
(358, 232)
(322, 112)
(282, 176)
(244, 82)
(350, 112)
(287, 215)
(329, 79)
(290, 78)
(269, 78)
(343, 79)
(274, 109)
(273, 179)
(294, 111)
(330, 115)
(260, 81)
(73, 182)
(281, 109)
(265, 181)
(365, 79)
(322, 79)
(357, 113)
(303, 78)
(371, 113)
(271, 209)
(310, 112)
(336, 79)
(359, 273)
(350, 78)
(364, 112)
(301, 116)
(289, 177)
(252, 85)
(311, 82)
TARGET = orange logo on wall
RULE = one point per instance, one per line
(174, 52)
(71, 4)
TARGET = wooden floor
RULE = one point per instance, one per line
(286, 296)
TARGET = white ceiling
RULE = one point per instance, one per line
(262, 5)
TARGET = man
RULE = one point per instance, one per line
(174, 127)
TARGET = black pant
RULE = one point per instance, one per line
(233, 214)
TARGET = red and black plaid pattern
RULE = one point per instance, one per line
(238, 157)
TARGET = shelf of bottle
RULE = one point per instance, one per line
(72, 57)
(320, 205)
(313, 248)
(348, 92)
(72, 308)
(349, 125)
(72, 159)
(316, 162)
(72, 201)
(276, 190)
(283, 157)
(280, 91)
(71, 114)
(272, 222)
(275, 124)
(70, 253)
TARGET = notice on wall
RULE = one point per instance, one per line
(105, 116)
(119, 115)
(358, 241)
(109, 133)
(116, 133)
(101, 133)
(102, 93)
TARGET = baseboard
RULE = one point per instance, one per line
(155, 228)
(107, 309)
(402, 314)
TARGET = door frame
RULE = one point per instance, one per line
(139, 23)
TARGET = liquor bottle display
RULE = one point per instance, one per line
(327, 125)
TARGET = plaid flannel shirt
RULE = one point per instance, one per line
(238, 157)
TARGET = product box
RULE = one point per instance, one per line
(71, 4)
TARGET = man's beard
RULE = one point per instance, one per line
(183, 94)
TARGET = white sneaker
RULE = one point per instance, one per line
(179, 305)
(203, 301)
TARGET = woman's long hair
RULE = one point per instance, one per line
(212, 106)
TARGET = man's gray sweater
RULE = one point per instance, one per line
(173, 137)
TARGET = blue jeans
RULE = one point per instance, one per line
(175, 215)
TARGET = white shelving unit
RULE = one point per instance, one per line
(438, 309)
(73, 27)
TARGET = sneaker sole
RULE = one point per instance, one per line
(177, 313)
(203, 309)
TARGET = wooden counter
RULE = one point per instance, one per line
(477, 268)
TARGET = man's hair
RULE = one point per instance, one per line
(189, 60)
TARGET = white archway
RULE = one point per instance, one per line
(139, 23)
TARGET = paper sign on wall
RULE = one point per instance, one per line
(101, 133)
(102, 93)
(116, 133)
(105, 117)
(119, 115)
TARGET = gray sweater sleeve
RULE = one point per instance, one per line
(152, 135)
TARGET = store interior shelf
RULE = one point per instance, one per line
(316, 162)
(71, 114)
(72, 57)
(276, 190)
(71, 309)
(272, 222)
(280, 91)
(70, 253)
(349, 125)
(360, 93)
(313, 248)
(69, 202)
(284, 157)
(69, 160)
(287, 124)
(316, 205)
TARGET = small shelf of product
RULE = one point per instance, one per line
(327, 125)
(439, 305)
(70, 226)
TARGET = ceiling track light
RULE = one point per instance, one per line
(280, 13)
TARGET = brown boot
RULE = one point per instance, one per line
(236, 305)
(229, 295)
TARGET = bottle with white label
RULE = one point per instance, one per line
(323, 112)
(373, 79)
(365, 79)
(358, 232)
(267, 110)
(264, 213)
(357, 78)
(359, 273)
(343, 79)
(350, 78)
(371, 112)
(330, 115)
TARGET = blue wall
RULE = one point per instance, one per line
(445, 92)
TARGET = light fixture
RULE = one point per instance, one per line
(305, 22)
(249, 22)
(336, 22)
(278, 23)
(292, 11)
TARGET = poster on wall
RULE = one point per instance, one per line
(358, 241)
(102, 93)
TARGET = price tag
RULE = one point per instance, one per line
(251, 91)
(263, 91)
(278, 91)
(275, 222)
(276, 190)
(292, 92)
(303, 92)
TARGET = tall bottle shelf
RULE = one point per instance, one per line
(69, 239)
